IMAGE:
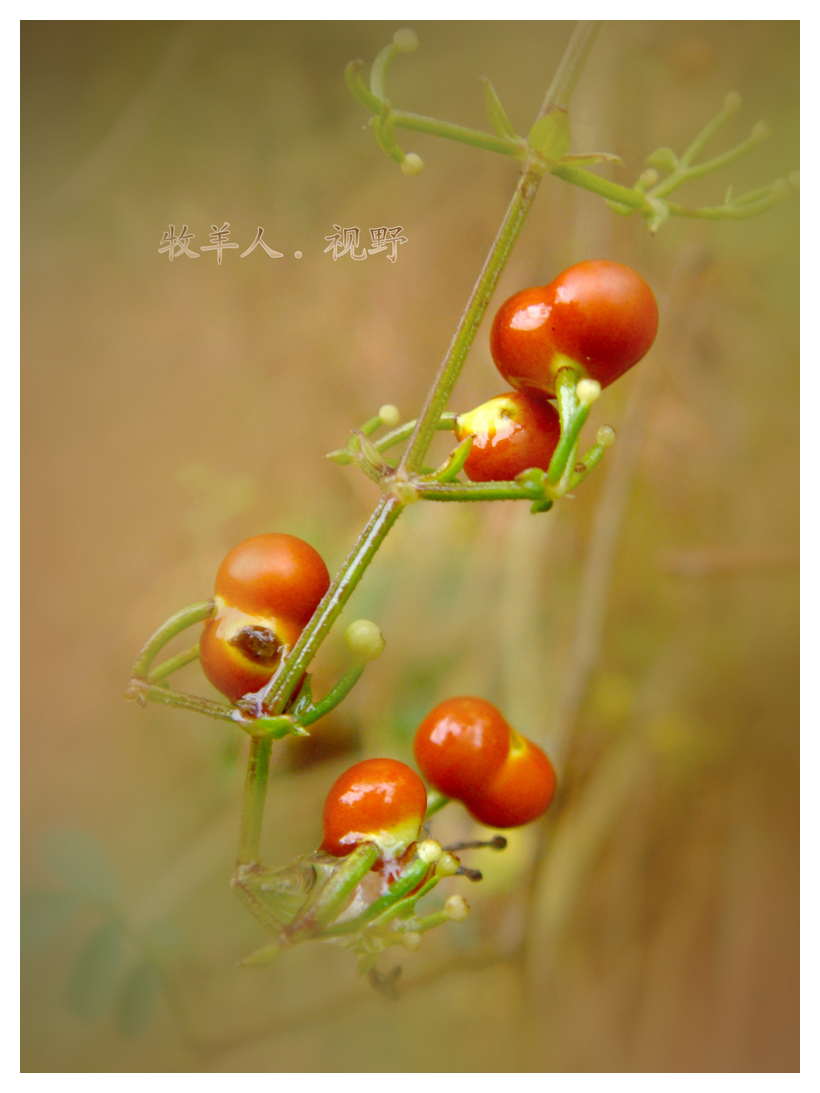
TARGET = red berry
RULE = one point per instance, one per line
(466, 750)
(461, 745)
(267, 588)
(600, 317)
(274, 575)
(381, 801)
(520, 792)
(513, 432)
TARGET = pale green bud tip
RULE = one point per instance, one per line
(732, 101)
(587, 391)
(389, 415)
(650, 177)
(794, 179)
(781, 190)
(447, 865)
(405, 41)
(413, 164)
(456, 908)
(606, 436)
(761, 131)
(429, 851)
(364, 639)
(412, 941)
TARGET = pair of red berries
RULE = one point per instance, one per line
(598, 318)
(467, 751)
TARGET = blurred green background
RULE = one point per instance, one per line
(645, 633)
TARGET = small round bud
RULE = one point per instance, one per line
(794, 179)
(413, 164)
(429, 851)
(650, 177)
(364, 639)
(587, 391)
(411, 941)
(447, 865)
(605, 436)
(389, 415)
(732, 101)
(781, 189)
(761, 131)
(405, 41)
(456, 908)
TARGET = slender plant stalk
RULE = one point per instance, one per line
(390, 507)
(253, 803)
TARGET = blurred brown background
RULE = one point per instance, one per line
(645, 633)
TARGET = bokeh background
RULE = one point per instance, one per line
(645, 632)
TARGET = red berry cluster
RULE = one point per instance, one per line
(598, 318)
(466, 750)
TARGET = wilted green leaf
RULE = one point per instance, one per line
(80, 864)
(42, 916)
(97, 973)
(139, 997)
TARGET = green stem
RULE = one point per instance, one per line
(679, 177)
(479, 491)
(197, 612)
(724, 212)
(447, 423)
(253, 802)
(570, 66)
(454, 361)
(708, 131)
(601, 186)
(386, 514)
(140, 690)
(590, 460)
(173, 664)
(404, 119)
(353, 78)
(333, 697)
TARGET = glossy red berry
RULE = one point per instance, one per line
(381, 801)
(460, 745)
(267, 588)
(466, 750)
(599, 316)
(512, 432)
(520, 792)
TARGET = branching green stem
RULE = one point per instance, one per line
(333, 697)
(404, 119)
(188, 616)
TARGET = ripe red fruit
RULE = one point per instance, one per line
(267, 588)
(599, 317)
(512, 433)
(381, 801)
(466, 750)
(521, 790)
(460, 745)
